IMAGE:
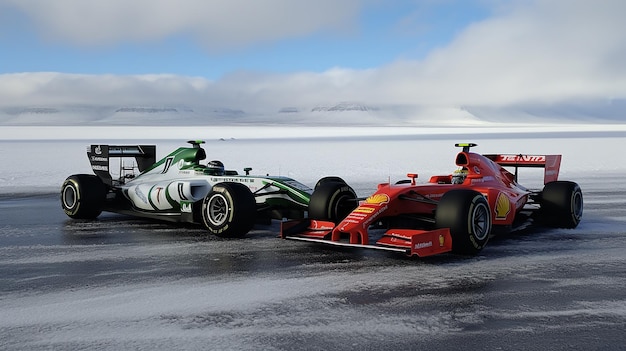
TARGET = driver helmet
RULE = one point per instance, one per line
(459, 176)
(215, 167)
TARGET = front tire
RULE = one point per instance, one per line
(83, 196)
(229, 210)
(329, 179)
(562, 204)
(332, 201)
(466, 213)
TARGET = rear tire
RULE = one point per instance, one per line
(229, 210)
(332, 201)
(467, 214)
(83, 196)
(561, 204)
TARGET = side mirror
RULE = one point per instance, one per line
(413, 176)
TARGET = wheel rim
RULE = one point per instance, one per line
(480, 221)
(217, 210)
(69, 197)
(342, 207)
(577, 205)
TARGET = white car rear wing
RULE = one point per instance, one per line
(99, 155)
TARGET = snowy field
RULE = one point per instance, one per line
(38, 159)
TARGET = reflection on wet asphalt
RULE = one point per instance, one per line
(124, 283)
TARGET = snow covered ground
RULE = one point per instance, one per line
(37, 159)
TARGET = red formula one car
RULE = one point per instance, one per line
(450, 213)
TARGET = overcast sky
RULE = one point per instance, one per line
(476, 55)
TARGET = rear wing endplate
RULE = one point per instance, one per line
(144, 155)
(550, 163)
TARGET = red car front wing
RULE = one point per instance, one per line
(408, 241)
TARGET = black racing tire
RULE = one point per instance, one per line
(332, 201)
(561, 204)
(467, 214)
(229, 210)
(83, 196)
(329, 179)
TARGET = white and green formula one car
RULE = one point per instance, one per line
(179, 188)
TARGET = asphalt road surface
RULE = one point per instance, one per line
(120, 283)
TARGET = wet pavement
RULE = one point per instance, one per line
(125, 283)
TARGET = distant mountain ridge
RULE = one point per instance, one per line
(174, 115)
(146, 109)
(341, 113)
(345, 106)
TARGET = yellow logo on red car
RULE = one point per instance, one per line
(377, 199)
(503, 206)
(362, 209)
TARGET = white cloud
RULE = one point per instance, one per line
(529, 53)
(218, 24)
(537, 51)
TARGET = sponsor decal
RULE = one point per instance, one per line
(185, 207)
(503, 206)
(168, 164)
(372, 217)
(349, 220)
(99, 159)
(158, 194)
(474, 243)
(423, 245)
(219, 230)
(442, 240)
(362, 209)
(236, 180)
(100, 168)
(524, 158)
(357, 215)
(181, 192)
(394, 239)
(476, 170)
(316, 225)
(377, 199)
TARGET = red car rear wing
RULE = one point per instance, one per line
(550, 163)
